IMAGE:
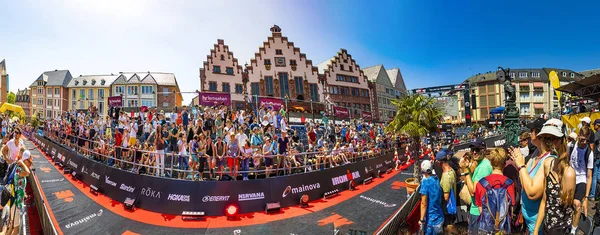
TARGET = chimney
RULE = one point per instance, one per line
(55, 70)
(111, 74)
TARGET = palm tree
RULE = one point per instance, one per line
(417, 115)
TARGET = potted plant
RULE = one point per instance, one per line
(416, 116)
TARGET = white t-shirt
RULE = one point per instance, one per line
(241, 138)
(147, 127)
(14, 148)
(133, 130)
(181, 147)
(579, 165)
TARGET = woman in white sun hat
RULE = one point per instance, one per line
(554, 176)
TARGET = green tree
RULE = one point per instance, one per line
(34, 121)
(416, 116)
(11, 98)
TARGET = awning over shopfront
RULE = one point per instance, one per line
(499, 110)
(588, 87)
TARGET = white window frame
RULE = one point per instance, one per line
(564, 74)
(572, 75)
(522, 74)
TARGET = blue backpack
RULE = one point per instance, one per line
(496, 208)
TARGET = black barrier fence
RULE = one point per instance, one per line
(172, 196)
(398, 219)
(491, 142)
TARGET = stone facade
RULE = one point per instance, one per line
(280, 70)
(386, 91)
(3, 82)
(222, 73)
(347, 86)
(22, 99)
(49, 94)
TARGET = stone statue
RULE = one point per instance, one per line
(503, 75)
(511, 111)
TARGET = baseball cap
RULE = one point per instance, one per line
(552, 127)
(536, 125)
(426, 166)
(26, 155)
(573, 135)
(477, 144)
(597, 121)
(442, 154)
(586, 119)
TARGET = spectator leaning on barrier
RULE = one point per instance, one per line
(483, 169)
(432, 216)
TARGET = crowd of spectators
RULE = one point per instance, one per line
(543, 186)
(202, 142)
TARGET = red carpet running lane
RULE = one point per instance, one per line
(78, 211)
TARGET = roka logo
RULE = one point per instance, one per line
(303, 188)
(215, 198)
(127, 188)
(148, 192)
(178, 197)
(110, 182)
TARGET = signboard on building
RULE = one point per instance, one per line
(115, 101)
(367, 115)
(275, 103)
(341, 112)
(211, 99)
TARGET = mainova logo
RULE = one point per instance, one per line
(302, 188)
(74, 165)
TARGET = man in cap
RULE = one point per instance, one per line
(483, 169)
(448, 177)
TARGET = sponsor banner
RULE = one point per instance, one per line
(115, 101)
(211, 99)
(277, 104)
(250, 196)
(367, 115)
(169, 196)
(119, 185)
(91, 172)
(341, 112)
(492, 142)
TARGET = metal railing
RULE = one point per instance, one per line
(176, 165)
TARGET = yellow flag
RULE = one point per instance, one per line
(555, 84)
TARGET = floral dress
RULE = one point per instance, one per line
(558, 218)
(19, 189)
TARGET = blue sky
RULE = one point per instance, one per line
(432, 42)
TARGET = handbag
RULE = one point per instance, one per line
(6, 195)
(451, 205)
(465, 195)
